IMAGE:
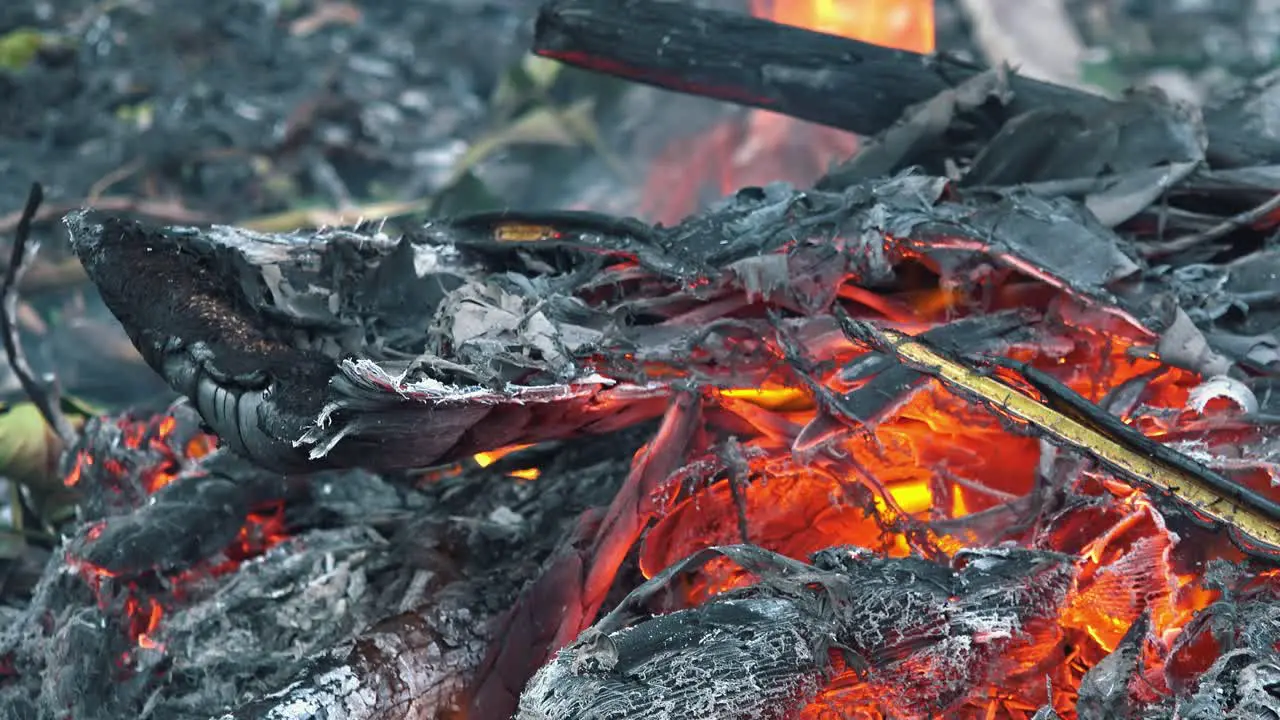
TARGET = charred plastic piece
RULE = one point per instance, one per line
(920, 635)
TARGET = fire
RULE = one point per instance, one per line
(902, 24)
(485, 459)
(927, 480)
(767, 147)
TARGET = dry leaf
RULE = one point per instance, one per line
(570, 127)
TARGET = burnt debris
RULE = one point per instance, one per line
(375, 600)
(687, 388)
(293, 348)
(917, 634)
(359, 348)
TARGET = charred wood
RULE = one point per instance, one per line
(305, 352)
(187, 521)
(826, 79)
(243, 326)
(580, 573)
(412, 666)
(765, 650)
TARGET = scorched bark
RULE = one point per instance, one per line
(920, 635)
(305, 352)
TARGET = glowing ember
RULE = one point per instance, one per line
(485, 459)
(162, 455)
(941, 460)
(768, 147)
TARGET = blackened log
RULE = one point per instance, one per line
(922, 636)
(411, 666)
(568, 594)
(834, 81)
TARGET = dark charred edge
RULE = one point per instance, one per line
(527, 639)
(257, 393)
(834, 81)
(284, 408)
(187, 521)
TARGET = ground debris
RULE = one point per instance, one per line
(367, 580)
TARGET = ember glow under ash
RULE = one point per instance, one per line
(940, 473)
(485, 459)
(765, 147)
(152, 453)
(950, 470)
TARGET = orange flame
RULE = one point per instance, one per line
(768, 147)
(901, 24)
(939, 459)
(485, 459)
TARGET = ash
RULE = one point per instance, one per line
(367, 560)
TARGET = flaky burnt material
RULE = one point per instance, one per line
(920, 635)
(347, 347)
(312, 352)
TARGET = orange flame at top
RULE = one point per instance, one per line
(901, 24)
(767, 147)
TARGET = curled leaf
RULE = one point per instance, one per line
(1222, 386)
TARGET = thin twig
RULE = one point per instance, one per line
(44, 396)
(1235, 222)
(106, 182)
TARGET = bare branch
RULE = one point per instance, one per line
(44, 395)
(1221, 230)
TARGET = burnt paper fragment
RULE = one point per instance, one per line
(919, 137)
(1044, 144)
(919, 633)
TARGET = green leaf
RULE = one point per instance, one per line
(19, 47)
(531, 80)
(541, 71)
(29, 448)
